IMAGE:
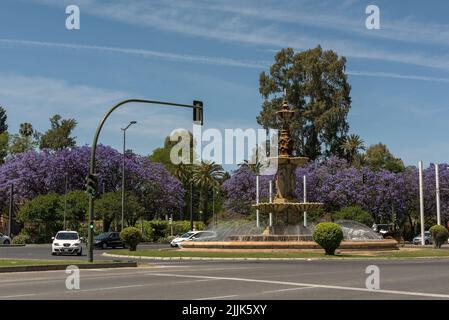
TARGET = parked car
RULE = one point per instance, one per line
(108, 239)
(193, 236)
(427, 238)
(4, 239)
(389, 231)
(66, 242)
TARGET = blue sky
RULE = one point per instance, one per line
(214, 51)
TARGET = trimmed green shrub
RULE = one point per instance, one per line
(147, 230)
(354, 213)
(180, 227)
(329, 236)
(21, 239)
(160, 229)
(131, 236)
(439, 235)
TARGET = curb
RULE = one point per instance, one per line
(64, 266)
(259, 259)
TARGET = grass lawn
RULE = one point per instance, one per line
(403, 253)
(23, 262)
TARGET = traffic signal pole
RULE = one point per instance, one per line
(197, 107)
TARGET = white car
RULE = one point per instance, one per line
(193, 236)
(66, 242)
(4, 239)
(427, 238)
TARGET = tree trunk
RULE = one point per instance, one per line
(205, 206)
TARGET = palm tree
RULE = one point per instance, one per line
(351, 146)
(26, 129)
(206, 177)
(254, 167)
(184, 173)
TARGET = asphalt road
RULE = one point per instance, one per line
(286, 280)
(43, 251)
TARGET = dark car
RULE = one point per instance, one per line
(108, 240)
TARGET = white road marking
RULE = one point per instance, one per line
(18, 295)
(21, 280)
(193, 281)
(62, 276)
(323, 286)
(107, 288)
(290, 289)
(219, 297)
(193, 269)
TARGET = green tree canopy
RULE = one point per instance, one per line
(41, 217)
(162, 155)
(4, 140)
(77, 206)
(354, 213)
(379, 157)
(318, 90)
(109, 208)
(58, 137)
(3, 118)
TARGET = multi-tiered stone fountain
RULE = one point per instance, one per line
(285, 208)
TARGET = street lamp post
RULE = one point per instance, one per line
(421, 200)
(11, 203)
(123, 171)
(191, 205)
(437, 193)
(214, 216)
(197, 107)
(305, 200)
(270, 199)
(257, 200)
(65, 200)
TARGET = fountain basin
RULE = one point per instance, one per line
(270, 237)
(387, 244)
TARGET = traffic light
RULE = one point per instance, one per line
(92, 185)
(198, 112)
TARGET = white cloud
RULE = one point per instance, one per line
(208, 60)
(397, 76)
(246, 23)
(33, 95)
(141, 52)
